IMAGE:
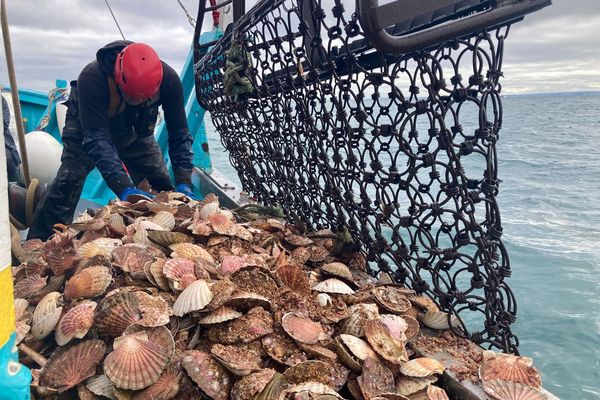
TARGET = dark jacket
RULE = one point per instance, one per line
(12, 155)
(108, 123)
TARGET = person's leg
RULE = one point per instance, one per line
(144, 160)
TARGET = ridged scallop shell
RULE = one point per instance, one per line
(439, 320)
(159, 335)
(164, 219)
(423, 302)
(337, 269)
(166, 238)
(510, 368)
(190, 251)
(376, 378)
(381, 340)
(29, 285)
(135, 363)
(156, 269)
(247, 387)
(148, 225)
(320, 352)
(208, 374)
(75, 323)
(237, 360)
(20, 308)
(180, 272)
(100, 385)
(208, 210)
(396, 324)
(193, 298)
(69, 366)
(99, 247)
(245, 329)
(297, 240)
(88, 283)
(116, 312)
(117, 223)
(421, 367)
(436, 393)
(221, 314)
(359, 314)
(141, 236)
(231, 264)
(302, 329)
(333, 285)
(505, 390)
(166, 387)
(358, 347)
(155, 311)
(283, 349)
(294, 278)
(392, 298)
(221, 224)
(406, 385)
(46, 315)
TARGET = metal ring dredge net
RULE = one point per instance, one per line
(398, 149)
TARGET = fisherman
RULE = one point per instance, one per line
(13, 160)
(111, 114)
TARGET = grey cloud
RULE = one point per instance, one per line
(553, 50)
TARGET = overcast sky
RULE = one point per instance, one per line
(555, 50)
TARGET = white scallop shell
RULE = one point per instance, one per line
(358, 347)
(100, 385)
(208, 210)
(438, 320)
(193, 298)
(46, 316)
(164, 219)
(221, 314)
(333, 286)
(422, 367)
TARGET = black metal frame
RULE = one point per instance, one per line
(345, 130)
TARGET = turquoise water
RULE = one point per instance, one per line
(549, 162)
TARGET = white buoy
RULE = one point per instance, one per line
(44, 156)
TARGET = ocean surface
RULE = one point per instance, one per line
(549, 163)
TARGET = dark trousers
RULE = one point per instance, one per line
(142, 158)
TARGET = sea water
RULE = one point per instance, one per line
(549, 164)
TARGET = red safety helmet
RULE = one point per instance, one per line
(138, 72)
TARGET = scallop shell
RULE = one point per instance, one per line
(208, 374)
(406, 385)
(333, 285)
(116, 312)
(29, 285)
(358, 347)
(100, 385)
(190, 251)
(381, 340)
(257, 280)
(375, 379)
(294, 278)
(422, 367)
(222, 291)
(337, 269)
(155, 311)
(247, 328)
(506, 390)
(135, 363)
(396, 324)
(156, 269)
(303, 329)
(20, 308)
(309, 371)
(117, 224)
(135, 258)
(413, 327)
(99, 247)
(439, 320)
(88, 283)
(46, 315)
(21, 330)
(164, 219)
(297, 240)
(231, 264)
(237, 360)
(159, 335)
(166, 387)
(317, 351)
(511, 368)
(221, 314)
(283, 349)
(193, 298)
(180, 272)
(392, 396)
(423, 302)
(208, 210)
(359, 314)
(141, 236)
(312, 389)
(436, 393)
(346, 356)
(392, 298)
(69, 366)
(247, 387)
(245, 301)
(149, 226)
(75, 323)
(166, 238)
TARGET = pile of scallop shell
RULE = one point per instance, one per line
(176, 299)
